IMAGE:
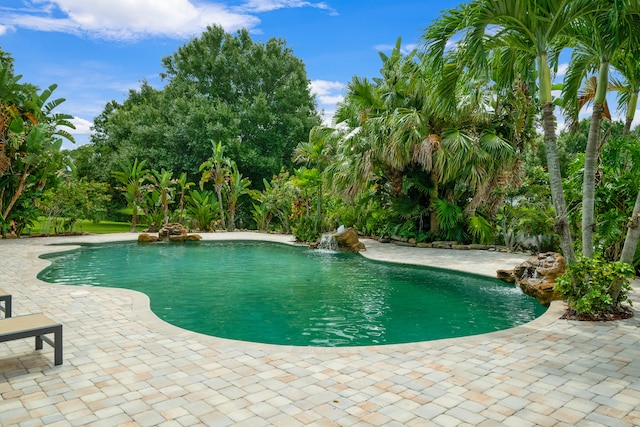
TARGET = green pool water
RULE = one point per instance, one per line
(280, 294)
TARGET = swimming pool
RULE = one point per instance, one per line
(281, 294)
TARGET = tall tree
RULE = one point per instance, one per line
(263, 85)
(251, 96)
(628, 66)
(30, 141)
(533, 31)
(595, 39)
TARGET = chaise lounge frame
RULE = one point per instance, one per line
(33, 325)
(6, 298)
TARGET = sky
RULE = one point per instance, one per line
(98, 50)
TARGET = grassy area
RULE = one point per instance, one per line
(103, 227)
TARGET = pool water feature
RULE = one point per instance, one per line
(281, 294)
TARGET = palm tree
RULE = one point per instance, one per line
(317, 153)
(238, 186)
(164, 186)
(628, 66)
(183, 186)
(595, 39)
(217, 170)
(628, 86)
(530, 31)
(132, 176)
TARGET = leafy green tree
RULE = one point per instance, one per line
(264, 85)
(252, 97)
(30, 141)
(73, 200)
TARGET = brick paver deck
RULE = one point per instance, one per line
(124, 366)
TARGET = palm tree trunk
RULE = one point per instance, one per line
(590, 161)
(433, 212)
(631, 110)
(555, 179)
(319, 209)
(134, 218)
(633, 234)
(219, 194)
(589, 181)
(633, 230)
(553, 160)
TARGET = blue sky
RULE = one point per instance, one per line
(99, 49)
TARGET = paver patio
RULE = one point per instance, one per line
(124, 366)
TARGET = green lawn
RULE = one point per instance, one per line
(103, 227)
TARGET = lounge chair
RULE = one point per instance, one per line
(33, 325)
(6, 298)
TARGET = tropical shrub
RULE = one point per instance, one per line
(304, 229)
(202, 209)
(450, 220)
(595, 287)
(481, 230)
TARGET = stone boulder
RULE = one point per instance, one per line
(348, 240)
(147, 238)
(172, 232)
(537, 276)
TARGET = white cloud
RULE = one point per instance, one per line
(404, 49)
(330, 99)
(270, 5)
(3, 29)
(327, 92)
(127, 19)
(562, 69)
(324, 86)
(586, 112)
(327, 117)
(135, 19)
(83, 126)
